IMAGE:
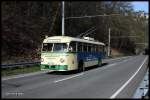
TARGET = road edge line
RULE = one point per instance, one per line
(127, 82)
(68, 78)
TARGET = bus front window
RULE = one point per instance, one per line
(47, 47)
(60, 47)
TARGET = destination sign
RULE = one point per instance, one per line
(53, 40)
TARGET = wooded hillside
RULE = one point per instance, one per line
(25, 24)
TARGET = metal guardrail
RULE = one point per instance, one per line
(38, 62)
(19, 64)
(143, 88)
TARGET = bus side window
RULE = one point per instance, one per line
(100, 48)
(92, 48)
(97, 48)
(79, 47)
(85, 47)
(89, 47)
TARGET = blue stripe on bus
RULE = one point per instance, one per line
(86, 56)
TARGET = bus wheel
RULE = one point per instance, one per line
(99, 62)
(80, 66)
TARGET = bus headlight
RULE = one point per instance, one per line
(62, 60)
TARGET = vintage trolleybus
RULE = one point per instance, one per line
(63, 53)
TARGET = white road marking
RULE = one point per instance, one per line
(124, 85)
(22, 75)
(110, 65)
(119, 58)
(68, 78)
(113, 64)
(112, 59)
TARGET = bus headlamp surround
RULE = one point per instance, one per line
(62, 60)
(42, 59)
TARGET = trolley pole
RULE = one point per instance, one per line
(63, 24)
(109, 42)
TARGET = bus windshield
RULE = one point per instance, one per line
(47, 47)
(52, 47)
(60, 47)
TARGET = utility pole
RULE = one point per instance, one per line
(109, 42)
(63, 23)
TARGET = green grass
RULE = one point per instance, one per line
(19, 70)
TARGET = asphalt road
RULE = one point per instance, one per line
(118, 79)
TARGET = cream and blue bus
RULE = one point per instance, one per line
(64, 53)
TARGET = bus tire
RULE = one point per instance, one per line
(80, 66)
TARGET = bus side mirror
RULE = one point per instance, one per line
(70, 48)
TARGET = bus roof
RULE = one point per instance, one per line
(65, 39)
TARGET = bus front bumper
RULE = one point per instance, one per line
(54, 67)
